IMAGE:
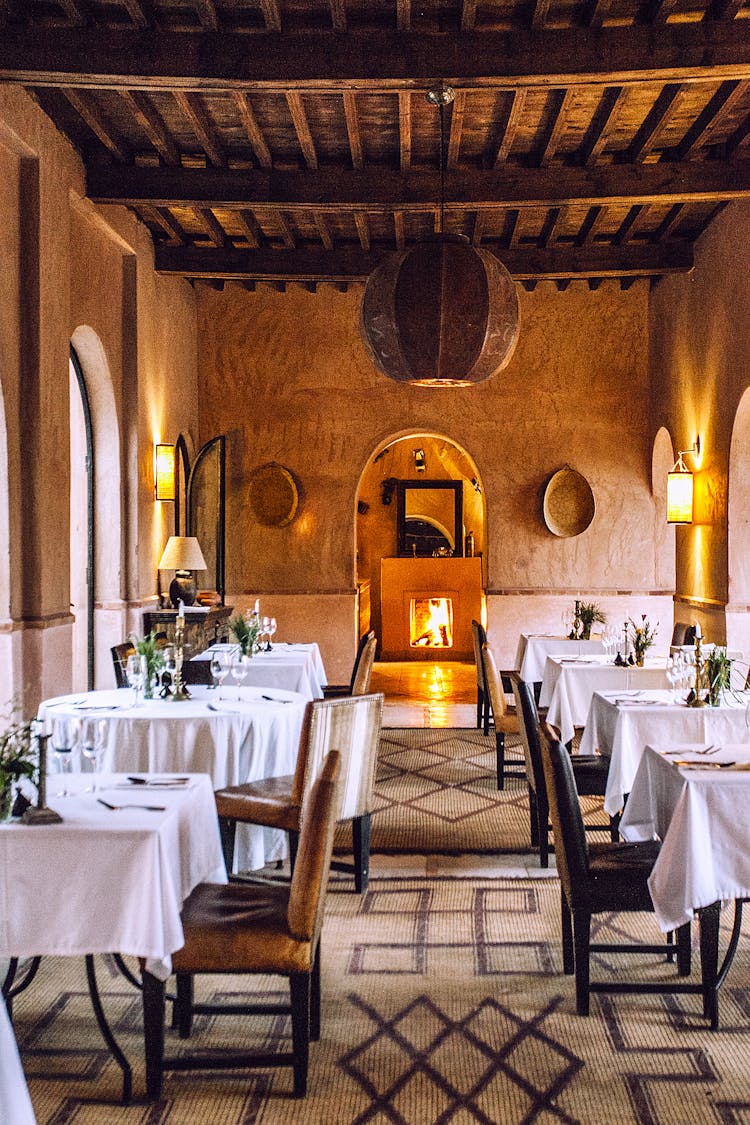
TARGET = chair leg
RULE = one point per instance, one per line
(500, 753)
(228, 831)
(315, 997)
(487, 716)
(614, 828)
(153, 1034)
(293, 845)
(299, 987)
(581, 954)
(567, 935)
(533, 822)
(480, 706)
(683, 950)
(361, 830)
(542, 821)
(184, 1004)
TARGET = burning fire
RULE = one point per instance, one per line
(431, 623)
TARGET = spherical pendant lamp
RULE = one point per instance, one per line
(441, 313)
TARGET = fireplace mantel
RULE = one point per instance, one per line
(403, 579)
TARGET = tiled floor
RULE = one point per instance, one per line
(420, 694)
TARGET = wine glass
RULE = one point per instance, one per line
(62, 747)
(239, 670)
(271, 630)
(93, 741)
(134, 673)
(672, 672)
(219, 669)
(170, 664)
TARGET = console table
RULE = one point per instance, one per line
(203, 627)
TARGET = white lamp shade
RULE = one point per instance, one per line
(679, 497)
(182, 552)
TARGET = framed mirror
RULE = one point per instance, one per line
(430, 518)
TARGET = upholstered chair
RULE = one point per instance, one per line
(478, 639)
(253, 928)
(504, 717)
(359, 682)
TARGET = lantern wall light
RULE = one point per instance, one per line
(680, 487)
(164, 472)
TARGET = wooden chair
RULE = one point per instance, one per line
(350, 725)
(120, 654)
(682, 634)
(589, 770)
(599, 879)
(253, 929)
(359, 682)
(505, 719)
(479, 638)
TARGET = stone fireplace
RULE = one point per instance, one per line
(427, 606)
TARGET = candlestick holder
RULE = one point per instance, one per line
(179, 691)
(698, 696)
(40, 813)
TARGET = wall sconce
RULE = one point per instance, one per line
(420, 461)
(164, 472)
(680, 488)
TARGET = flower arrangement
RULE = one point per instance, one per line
(643, 636)
(246, 633)
(16, 761)
(153, 650)
(717, 671)
(588, 613)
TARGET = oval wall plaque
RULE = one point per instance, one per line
(569, 505)
(273, 495)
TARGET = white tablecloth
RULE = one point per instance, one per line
(231, 741)
(623, 730)
(534, 648)
(295, 667)
(15, 1104)
(701, 817)
(108, 882)
(569, 683)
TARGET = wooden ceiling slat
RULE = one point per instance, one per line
(271, 14)
(216, 232)
(456, 128)
(351, 264)
(468, 14)
(324, 60)
(282, 225)
(338, 14)
(564, 100)
(739, 137)
(591, 224)
(398, 229)
(645, 138)
(249, 227)
(551, 223)
(403, 15)
(191, 107)
(404, 130)
(206, 12)
(670, 220)
(540, 13)
(627, 228)
(302, 128)
(477, 231)
(325, 234)
(352, 129)
(140, 12)
(375, 189)
(599, 12)
(511, 237)
(363, 230)
(75, 10)
(147, 116)
(515, 110)
(603, 123)
(252, 129)
(97, 124)
(159, 216)
(660, 10)
(728, 94)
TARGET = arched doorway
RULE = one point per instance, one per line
(418, 458)
(738, 530)
(82, 559)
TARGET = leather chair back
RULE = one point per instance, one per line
(350, 725)
(528, 723)
(571, 849)
(310, 876)
(355, 666)
(363, 673)
(505, 720)
(479, 638)
(679, 634)
(120, 654)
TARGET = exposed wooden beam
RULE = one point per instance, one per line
(456, 128)
(363, 230)
(728, 94)
(140, 12)
(539, 16)
(668, 223)
(398, 229)
(351, 264)
(375, 190)
(249, 227)
(602, 124)
(323, 231)
(599, 12)
(404, 129)
(516, 101)
(285, 230)
(149, 119)
(739, 138)
(215, 230)
(645, 138)
(564, 100)
(468, 14)
(551, 223)
(590, 225)
(302, 129)
(159, 216)
(191, 106)
(477, 233)
(115, 57)
(403, 15)
(511, 237)
(352, 128)
(271, 14)
(207, 14)
(252, 129)
(97, 124)
(338, 14)
(628, 225)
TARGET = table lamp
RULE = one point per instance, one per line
(183, 555)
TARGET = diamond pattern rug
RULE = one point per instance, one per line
(443, 1002)
(436, 792)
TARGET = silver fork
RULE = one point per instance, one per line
(117, 808)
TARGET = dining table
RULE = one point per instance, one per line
(234, 734)
(621, 724)
(15, 1103)
(111, 876)
(534, 648)
(294, 667)
(569, 683)
(694, 798)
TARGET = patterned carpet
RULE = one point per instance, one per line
(444, 1001)
(436, 793)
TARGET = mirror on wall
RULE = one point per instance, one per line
(430, 518)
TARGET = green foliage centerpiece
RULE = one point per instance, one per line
(585, 615)
(643, 636)
(16, 761)
(246, 632)
(712, 676)
(149, 647)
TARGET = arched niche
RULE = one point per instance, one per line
(662, 460)
(738, 529)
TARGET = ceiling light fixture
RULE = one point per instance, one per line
(441, 313)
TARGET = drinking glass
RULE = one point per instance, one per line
(62, 746)
(134, 673)
(93, 741)
(271, 630)
(239, 670)
(170, 663)
(265, 631)
(219, 669)
(672, 672)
